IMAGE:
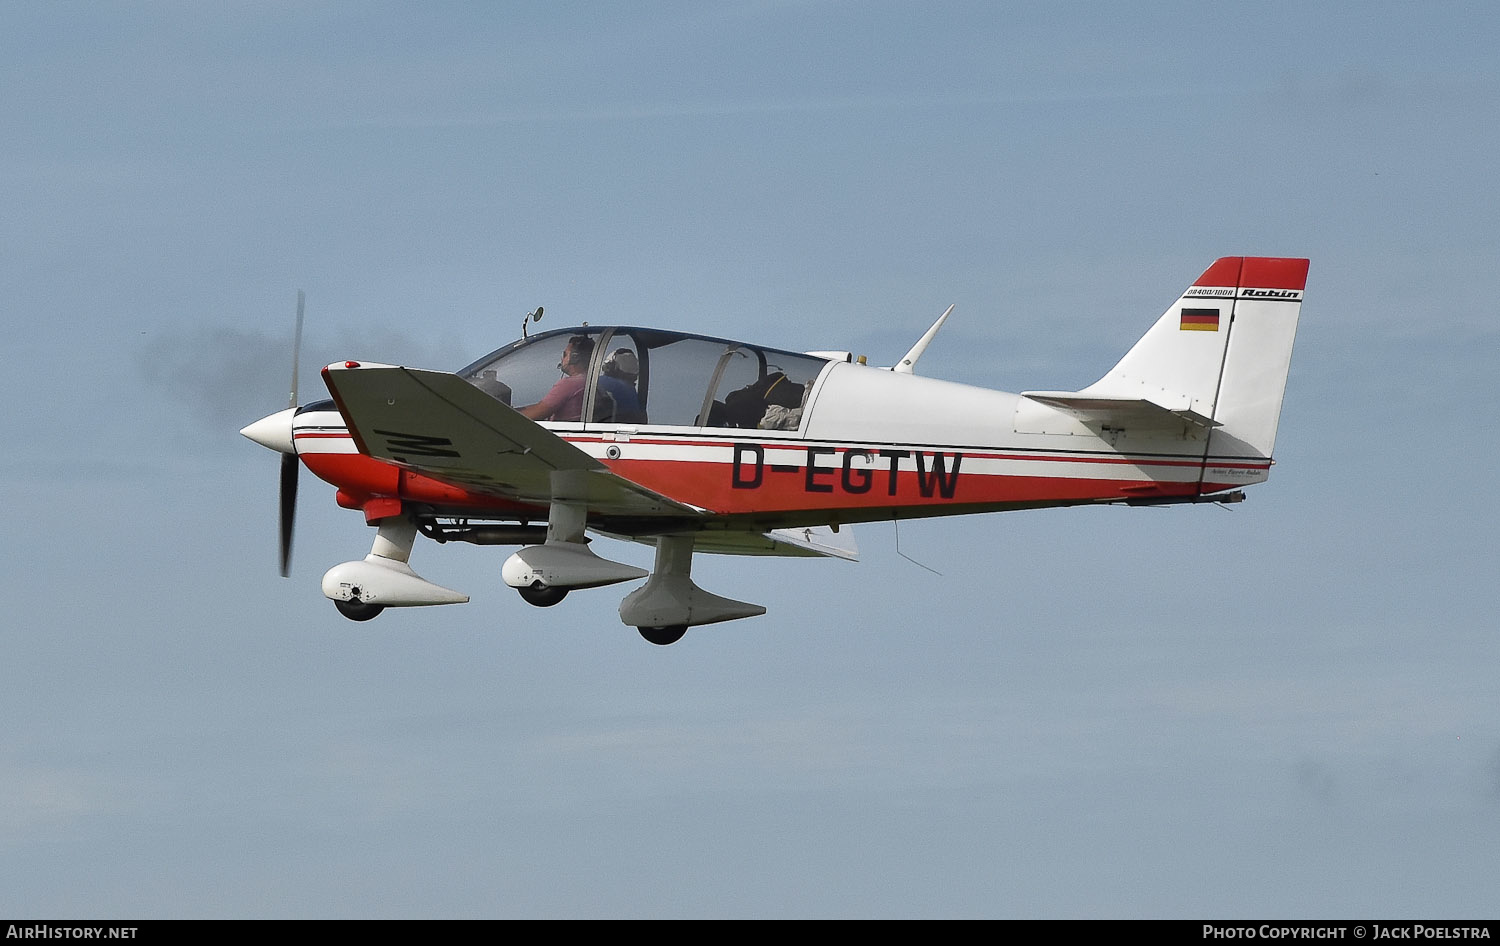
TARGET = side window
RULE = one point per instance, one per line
(764, 389)
(678, 373)
(734, 402)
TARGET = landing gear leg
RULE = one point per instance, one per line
(669, 603)
(544, 574)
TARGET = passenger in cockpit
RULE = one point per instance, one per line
(618, 401)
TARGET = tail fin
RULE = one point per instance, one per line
(1221, 352)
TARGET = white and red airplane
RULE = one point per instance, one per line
(695, 444)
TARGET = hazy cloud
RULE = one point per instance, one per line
(225, 378)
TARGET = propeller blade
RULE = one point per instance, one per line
(289, 464)
(296, 349)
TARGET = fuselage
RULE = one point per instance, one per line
(705, 445)
(850, 443)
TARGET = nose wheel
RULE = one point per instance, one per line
(357, 610)
(543, 596)
(663, 636)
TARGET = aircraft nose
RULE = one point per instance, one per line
(274, 431)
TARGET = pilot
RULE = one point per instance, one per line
(565, 401)
(617, 380)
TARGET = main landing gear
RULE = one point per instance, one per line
(669, 603)
(544, 574)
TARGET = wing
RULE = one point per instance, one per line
(440, 425)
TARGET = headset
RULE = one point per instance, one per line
(583, 349)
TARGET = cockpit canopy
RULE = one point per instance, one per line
(636, 376)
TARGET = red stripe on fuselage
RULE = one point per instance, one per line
(749, 479)
(758, 478)
(968, 452)
(728, 488)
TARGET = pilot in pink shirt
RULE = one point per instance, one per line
(564, 401)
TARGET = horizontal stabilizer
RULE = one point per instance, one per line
(1118, 411)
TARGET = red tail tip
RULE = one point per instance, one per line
(1259, 272)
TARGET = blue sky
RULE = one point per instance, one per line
(1285, 708)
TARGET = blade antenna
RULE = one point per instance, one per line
(909, 361)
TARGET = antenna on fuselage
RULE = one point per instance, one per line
(530, 317)
(909, 360)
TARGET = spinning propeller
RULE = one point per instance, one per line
(274, 432)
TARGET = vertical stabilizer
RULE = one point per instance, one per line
(1221, 351)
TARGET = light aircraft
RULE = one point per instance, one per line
(696, 444)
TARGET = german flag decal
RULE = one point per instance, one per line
(1200, 320)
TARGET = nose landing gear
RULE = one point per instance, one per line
(361, 590)
(357, 610)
